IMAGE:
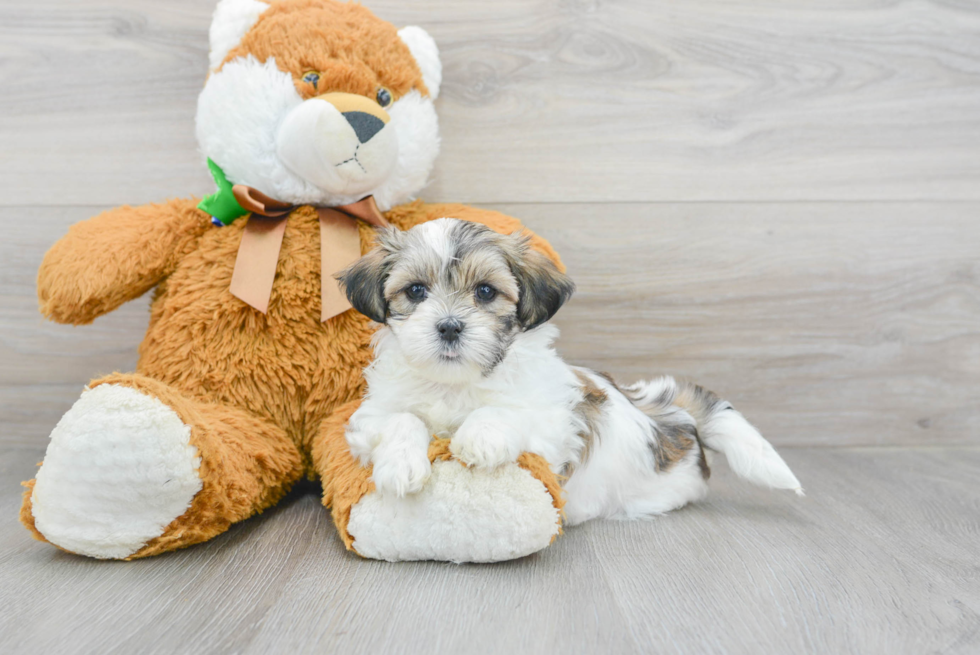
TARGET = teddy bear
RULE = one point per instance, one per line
(318, 124)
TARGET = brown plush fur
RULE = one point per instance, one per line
(90, 272)
(26, 516)
(356, 52)
(256, 389)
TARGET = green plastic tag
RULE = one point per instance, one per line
(222, 204)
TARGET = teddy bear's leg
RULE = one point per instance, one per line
(461, 515)
(136, 468)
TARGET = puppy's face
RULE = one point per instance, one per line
(455, 294)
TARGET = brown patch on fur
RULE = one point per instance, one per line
(26, 510)
(255, 388)
(353, 50)
(544, 288)
(673, 434)
(673, 443)
(590, 409)
(703, 461)
(485, 266)
(699, 402)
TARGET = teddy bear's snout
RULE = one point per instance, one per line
(364, 115)
(341, 142)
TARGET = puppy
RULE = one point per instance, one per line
(465, 352)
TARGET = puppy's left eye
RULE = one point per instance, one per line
(485, 293)
(415, 292)
(383, 97)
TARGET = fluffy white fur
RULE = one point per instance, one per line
(253, 123)
(426, 53)
(491, 420)
(529, 399)
(119, 468)
(231, 21)
(459, 516)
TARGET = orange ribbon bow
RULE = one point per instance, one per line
(258, 254)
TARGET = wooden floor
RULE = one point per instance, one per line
(778, 200)
(880, 557)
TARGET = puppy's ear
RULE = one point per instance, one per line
(543, 288)
(364, 280)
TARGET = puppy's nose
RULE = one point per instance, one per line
(449, 329)
(365, 125)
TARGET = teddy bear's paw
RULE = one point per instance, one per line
(118, 470)
(484, 442)
(400, 468)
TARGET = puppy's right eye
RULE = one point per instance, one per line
(415, 292)
(486, 293)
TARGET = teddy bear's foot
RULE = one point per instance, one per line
(119, 468)
(462, 514)
(135, 469)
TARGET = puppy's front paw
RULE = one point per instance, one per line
(361, 444)
(400, 469)
(485, 443)
(401, 458)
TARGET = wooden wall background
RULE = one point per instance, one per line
(779, 200)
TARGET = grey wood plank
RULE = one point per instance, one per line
(874, 578)
(636, 100)
(826, 323)
(879, 557)
(283, 582)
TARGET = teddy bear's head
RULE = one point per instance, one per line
(319, 102)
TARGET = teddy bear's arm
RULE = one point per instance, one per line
(114, 257)
(496, 221)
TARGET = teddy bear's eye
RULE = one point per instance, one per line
(312, 77)
(384, 97)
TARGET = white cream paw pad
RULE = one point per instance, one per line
(459, 516)
(118, 470)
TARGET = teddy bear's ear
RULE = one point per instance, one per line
(232, 20)
(426, 55)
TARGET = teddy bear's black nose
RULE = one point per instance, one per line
(365, 125)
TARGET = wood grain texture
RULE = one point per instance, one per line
(544, 101)
(879, 557)
(825, 323)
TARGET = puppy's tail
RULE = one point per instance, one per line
(720, 428)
